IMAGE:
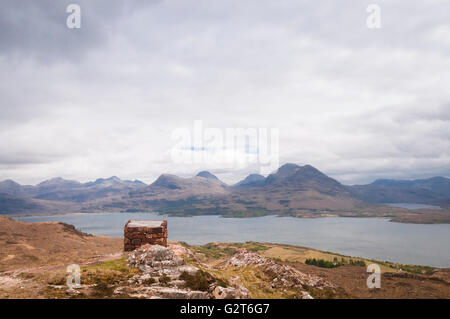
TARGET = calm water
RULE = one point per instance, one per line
(411, 206)
(365, 237)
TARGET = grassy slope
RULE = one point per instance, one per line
(398, 281)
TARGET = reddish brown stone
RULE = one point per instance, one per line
(138, 233)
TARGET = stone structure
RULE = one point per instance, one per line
(141, 232)
(163, 274)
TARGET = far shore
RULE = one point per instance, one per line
(418, 216)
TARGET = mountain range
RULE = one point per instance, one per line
(292, 190)
(68, 190)
(432, 191)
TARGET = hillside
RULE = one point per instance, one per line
(251, 180)
(286, 191)
(292, 190)
(34, 257)
(20, 205)
(432, 191)
(59, 189)
(32, 244)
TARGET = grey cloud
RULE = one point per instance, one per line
(25, 159)
(37, 28)
(103, 100)
(425, 112)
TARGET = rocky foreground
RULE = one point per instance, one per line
(34, 257)
(165, 274)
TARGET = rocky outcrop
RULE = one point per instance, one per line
(165, 274)
(237, 292)
(156, 259)
(282, 276)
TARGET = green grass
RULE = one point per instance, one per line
(212, 250)
(414, 269)
(116, 265)
(322, 263)
(361, 263)
(219, 250)
(107, 273)
(335, 263)
(251, 246)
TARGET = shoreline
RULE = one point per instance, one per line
(410, 218)
(94, 226)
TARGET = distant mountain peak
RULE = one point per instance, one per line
(207, 174)
(289, 165)
(308, 169)
(11, 187)
(254, 177)
(113, 179)
(251, 180)
(138, 182)
(302, 178)
(287, 169)
(10, 182)
(167, 181)
(290, 168)
(57, 181)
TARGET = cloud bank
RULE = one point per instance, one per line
(103, 100)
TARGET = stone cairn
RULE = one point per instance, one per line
(142, 232)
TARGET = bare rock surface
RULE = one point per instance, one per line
(161, 268)
(283, 275)
(151, 258)
(237, 292)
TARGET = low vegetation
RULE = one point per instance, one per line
(109, 272)
(335, 263)
(322, 263)
(149, 281)
(201, 280)
(413, 269)
(361, 263)
(251, 246)
(216, 250)
(164, 280)
(105, 276)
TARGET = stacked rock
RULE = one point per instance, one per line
(142, 232)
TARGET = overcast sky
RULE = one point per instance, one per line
(103, 100)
